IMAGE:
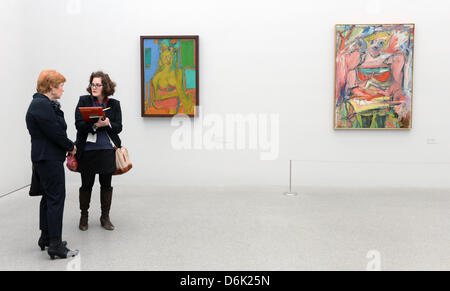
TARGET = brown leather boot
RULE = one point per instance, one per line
(106, 199)
(85, 200)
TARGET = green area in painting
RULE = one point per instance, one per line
(187, 53)
(148, 57)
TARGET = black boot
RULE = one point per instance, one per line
(44, 240)
(106, 199)
(85, 200)
(58, 250)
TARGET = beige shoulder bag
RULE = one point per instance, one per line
(123, 163)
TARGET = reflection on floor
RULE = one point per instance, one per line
(240, 228)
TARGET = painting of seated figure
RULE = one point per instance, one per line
(373, 76)
(169, 75)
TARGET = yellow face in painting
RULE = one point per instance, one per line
(166, 57)
(378, 41)
(378, 44)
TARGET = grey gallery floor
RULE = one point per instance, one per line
(241, 228)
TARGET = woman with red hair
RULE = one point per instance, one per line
(49, 146)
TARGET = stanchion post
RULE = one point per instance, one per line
(290, 193)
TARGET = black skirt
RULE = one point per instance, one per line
(98, 162)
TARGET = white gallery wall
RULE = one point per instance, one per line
(15, 142)
(256, 57)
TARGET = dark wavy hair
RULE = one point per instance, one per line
(108, 85)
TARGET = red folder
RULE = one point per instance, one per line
(91, 113)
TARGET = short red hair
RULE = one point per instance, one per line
(48, 79)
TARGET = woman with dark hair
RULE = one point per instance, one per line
(49, 146)
(95, 142)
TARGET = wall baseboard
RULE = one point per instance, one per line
(4, 195)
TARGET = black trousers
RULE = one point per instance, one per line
(53, 184)
(88, 180)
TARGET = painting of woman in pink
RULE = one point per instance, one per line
(373, 86)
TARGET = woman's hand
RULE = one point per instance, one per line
(74, 151)
(102, 123)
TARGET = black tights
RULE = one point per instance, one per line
(88, 180)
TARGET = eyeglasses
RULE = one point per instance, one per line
(95, 85)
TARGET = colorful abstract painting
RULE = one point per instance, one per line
(169, 75)
(374, 76)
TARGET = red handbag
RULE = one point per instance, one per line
(72, 163)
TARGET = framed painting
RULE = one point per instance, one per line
(373, 76)
(169, 75)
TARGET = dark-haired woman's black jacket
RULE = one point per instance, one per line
(83, 128)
